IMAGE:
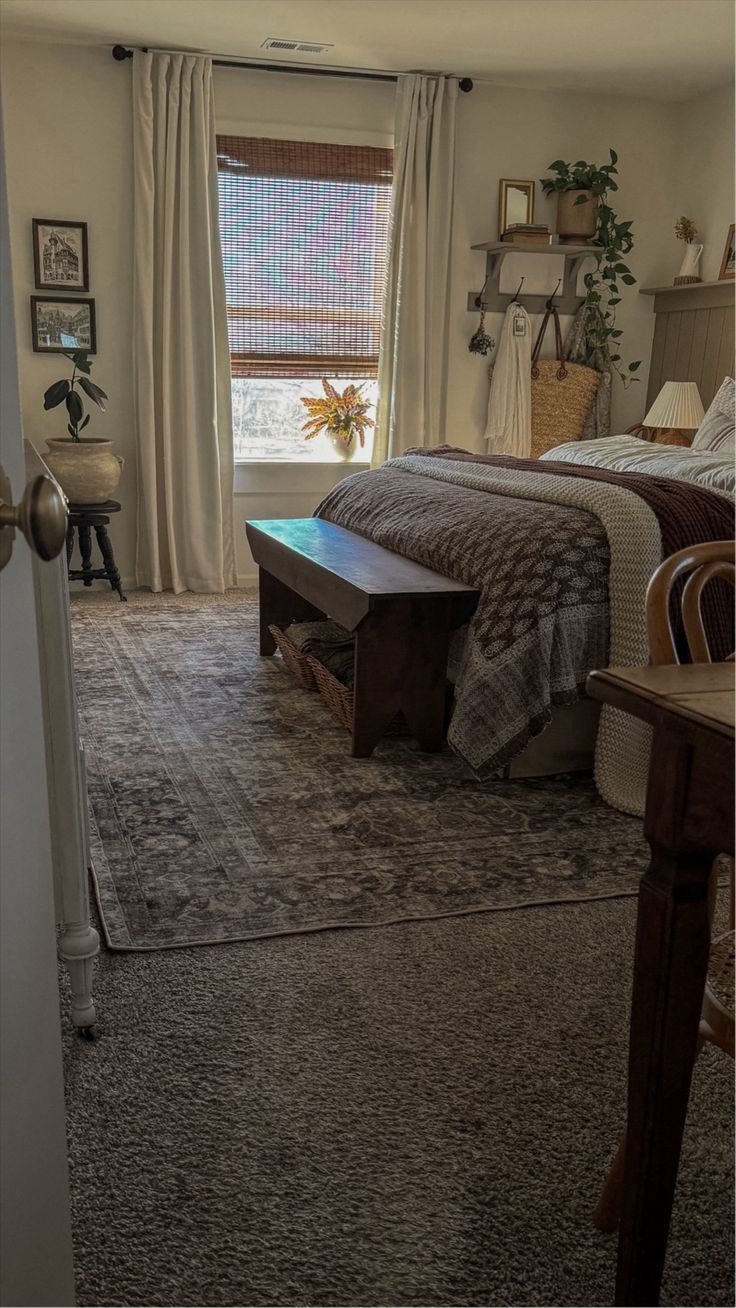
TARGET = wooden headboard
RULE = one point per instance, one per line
(693, 336)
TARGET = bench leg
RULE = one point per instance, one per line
(280, 605)
(401, 664)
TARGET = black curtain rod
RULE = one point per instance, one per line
(121, 52)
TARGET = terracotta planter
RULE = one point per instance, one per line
(87, 470)
(576, 223)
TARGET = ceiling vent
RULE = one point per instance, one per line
(303, 47)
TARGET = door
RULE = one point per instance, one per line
(35, 1226)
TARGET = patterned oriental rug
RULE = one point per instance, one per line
(225, 804)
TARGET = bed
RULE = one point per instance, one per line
(562, 550)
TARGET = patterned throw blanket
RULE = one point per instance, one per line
(562, 559)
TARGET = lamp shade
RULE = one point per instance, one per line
(677, 405)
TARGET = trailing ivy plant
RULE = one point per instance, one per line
(613, 240)
(66, 390)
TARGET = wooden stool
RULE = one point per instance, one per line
(84, 517)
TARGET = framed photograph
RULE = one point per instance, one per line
(60, 324)
(727, 266)
(60, 259)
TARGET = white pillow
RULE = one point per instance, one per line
(716, 431)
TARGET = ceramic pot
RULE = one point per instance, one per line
(576, 223)
(689, 270)
(343, 451)
(87, 470)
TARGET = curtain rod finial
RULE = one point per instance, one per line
(466, 83)
(120, 53)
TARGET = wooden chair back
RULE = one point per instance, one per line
(704, 563)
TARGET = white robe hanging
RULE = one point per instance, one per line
(509, 425)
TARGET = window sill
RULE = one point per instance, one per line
(291, 476)
(302, 463)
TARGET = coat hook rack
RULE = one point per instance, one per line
(479, 296)
(552, 296)
(565, 296)
(518, 292)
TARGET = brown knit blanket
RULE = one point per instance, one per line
(541, 564)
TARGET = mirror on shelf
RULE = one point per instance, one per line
(515, 203)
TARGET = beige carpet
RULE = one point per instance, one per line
(419, 1114)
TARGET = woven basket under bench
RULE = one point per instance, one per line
(339, 699)
(297, 663)
(313, 675)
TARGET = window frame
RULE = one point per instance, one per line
(253, 475)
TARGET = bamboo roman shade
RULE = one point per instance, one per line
(304, 233)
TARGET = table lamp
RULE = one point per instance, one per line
(678, 408)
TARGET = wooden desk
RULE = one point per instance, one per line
(689, 819)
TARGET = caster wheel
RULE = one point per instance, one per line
(87, 1033)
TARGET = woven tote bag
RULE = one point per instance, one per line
(562, 393)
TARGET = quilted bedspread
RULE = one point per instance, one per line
(562, 564)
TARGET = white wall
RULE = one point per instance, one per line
(70, 156)
(705, 174)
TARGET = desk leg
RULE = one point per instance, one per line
(280, 605)
(401, 664)
(671, 961)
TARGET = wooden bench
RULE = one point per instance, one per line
(402, 615)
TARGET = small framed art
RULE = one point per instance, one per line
(61, 324)
(60, 259)
(728, 263)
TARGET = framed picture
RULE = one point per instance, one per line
(60, 259)
(515, 203)
(60, 324)
(727, 266)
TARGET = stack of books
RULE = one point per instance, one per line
(527, 234)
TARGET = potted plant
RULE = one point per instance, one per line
(341, 417)
(610, 241)
(85, 467)
(578, 188)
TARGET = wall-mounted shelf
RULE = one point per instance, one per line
(691, 295)
(496, 301)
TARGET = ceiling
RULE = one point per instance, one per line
(666, 49)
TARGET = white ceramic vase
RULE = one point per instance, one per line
(689, 271)
(87, 470)
(343, 451)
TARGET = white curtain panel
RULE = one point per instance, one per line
(413, 366)
(180, 347)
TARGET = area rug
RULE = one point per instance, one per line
(225, 804)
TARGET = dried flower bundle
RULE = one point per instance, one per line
(480, 341)
(343, 416)
(685, 230)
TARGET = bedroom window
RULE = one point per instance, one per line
(304, 231)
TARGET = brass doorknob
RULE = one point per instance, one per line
(41, 516)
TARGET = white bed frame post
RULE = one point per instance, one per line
(78, 942)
